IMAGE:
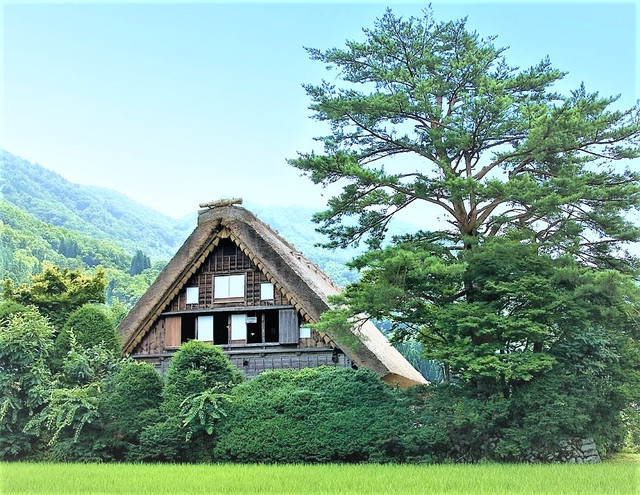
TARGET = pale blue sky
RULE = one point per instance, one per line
(177, 104)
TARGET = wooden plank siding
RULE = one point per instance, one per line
(289, 327)
(219, 264)
(226, 259)
(254, 363)
(172, 331)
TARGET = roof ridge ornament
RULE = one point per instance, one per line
(221, 202)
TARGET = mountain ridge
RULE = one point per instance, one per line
(113, 217)
(99, 212)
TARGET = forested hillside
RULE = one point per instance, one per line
(100, 213)
(47, 218)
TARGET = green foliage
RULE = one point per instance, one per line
(9, 308)
(550, 343)
(130, 402)
(492, 147)
(127, 289)
(139, 263)
(90, 326)
(83, 366)
(522, 290)
(67, 408)
(164, 441)
(314, 415)
(197, 382)
(202, 411)
(99, 213)
(57, 292)
(27, 242)
(25, 347)
(72, 419)
(195, 368)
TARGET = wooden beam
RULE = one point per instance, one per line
(221, 202)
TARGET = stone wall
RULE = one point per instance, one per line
(579, 450)
(575, 450)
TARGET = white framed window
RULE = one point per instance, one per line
(205, 328)
(228, 286)
(305, 332)
(239, 327)
(266, 291)
(193, 294)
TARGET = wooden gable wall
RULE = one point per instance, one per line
(226, 259)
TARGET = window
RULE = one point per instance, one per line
(266, 291)
(305, 332)
(229, 286)
(193, 293)
(239, 327)
(205, 328)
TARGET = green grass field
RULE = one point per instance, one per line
(607, 478)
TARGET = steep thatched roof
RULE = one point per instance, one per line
(299, 280)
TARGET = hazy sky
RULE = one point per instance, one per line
(175, 104)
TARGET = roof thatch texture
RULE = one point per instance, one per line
(299, 280)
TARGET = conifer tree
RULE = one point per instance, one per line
(524, 285)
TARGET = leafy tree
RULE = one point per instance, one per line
(57, 292)
(71, 423)
(25, 346)
(524, 285)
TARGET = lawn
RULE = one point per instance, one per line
(607, 478)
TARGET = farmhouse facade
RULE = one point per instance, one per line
(238, 284)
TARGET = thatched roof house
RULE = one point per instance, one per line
(237, 283)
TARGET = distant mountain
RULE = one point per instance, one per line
(108, 216)
(27, 241)
(100, 213)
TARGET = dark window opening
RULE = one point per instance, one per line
(227, 247)
(254, 329)
(221, 329)
(271, 326)
(188, 328)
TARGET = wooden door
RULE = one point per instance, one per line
(288, 326)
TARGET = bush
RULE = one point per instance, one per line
(25, 345)
(131, 403)
(321, 414)
(91, 326)
(10, 308)
(184, 433)
(197, 367)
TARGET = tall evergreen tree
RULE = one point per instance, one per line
(491, 147)
(525, 277)
(139, 263)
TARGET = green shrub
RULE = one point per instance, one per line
(321, 414)
(196, 367)
(91, 326)
(131, 402)
(185, 434)
(25, 345)
(9, 308)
